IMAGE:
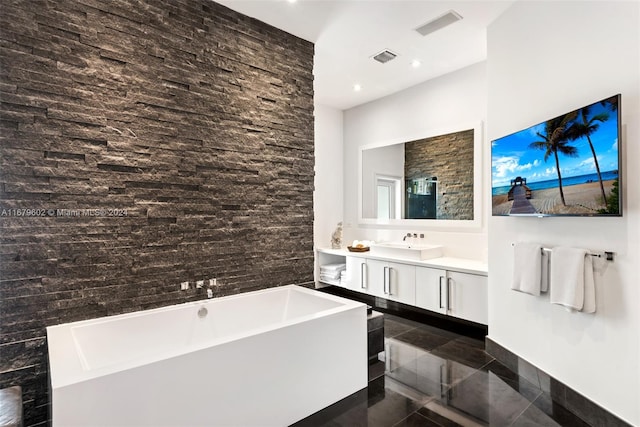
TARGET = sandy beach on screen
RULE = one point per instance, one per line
(581, 199)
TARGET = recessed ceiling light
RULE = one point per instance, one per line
(292, 1)
(415, 63)
(357, 87)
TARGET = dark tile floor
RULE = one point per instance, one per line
(432, 377)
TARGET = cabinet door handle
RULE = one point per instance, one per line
(448, 293)
(387, 280)
(440, 292)
(363, 275)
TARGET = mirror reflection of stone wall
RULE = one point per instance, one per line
(449, 158)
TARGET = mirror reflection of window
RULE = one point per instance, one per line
(388, 198)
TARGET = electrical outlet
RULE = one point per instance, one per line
(184, 286)
(200, 284)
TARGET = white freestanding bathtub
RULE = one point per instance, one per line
(264, 358)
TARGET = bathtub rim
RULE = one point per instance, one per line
(66, 367)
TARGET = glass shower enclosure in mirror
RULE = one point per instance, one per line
(421, 198)
(435, 176)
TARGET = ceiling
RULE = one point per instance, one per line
(347, 33)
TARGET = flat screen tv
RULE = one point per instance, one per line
(566, 166)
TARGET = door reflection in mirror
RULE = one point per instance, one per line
(388, 197)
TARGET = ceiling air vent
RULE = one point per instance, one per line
(440, 22)
(384, 56)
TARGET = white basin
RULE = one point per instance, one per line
(406, 250)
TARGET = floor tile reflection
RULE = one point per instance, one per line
(425, 372)
(384, 403)
(395, 327)
(557, 412)
(534, 417)
(486, 399)
(464, 352)
(422, 338)
(430, 377)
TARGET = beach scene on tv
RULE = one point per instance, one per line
(565, 166)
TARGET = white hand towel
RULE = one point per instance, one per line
(571, 279)
(527, 268)
(589, 286)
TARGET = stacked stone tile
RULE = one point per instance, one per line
(144, 143)
(449, 158)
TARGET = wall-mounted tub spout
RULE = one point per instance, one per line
(202, 312)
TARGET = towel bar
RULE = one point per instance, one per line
(608, 255)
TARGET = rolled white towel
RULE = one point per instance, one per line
(333, 267)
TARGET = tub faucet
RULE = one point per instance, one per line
(202, 312)
(405, 237)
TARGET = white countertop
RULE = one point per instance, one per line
(462, 265)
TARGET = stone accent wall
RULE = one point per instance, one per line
(144, 143)
(450, 159)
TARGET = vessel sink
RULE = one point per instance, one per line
(406, 250)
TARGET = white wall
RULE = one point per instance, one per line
(387, 161)
(544, 59)
(448, 102)
(328, 195)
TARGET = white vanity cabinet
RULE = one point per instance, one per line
(392, 280)
(431, 288)
(468, 296)
(449, 286)
(461, 295)
(356, 276)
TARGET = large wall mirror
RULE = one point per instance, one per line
(431, 179)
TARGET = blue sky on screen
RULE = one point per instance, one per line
(511, 155)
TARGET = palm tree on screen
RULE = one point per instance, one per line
(612, 103)
(555, 140)
(584, 126)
